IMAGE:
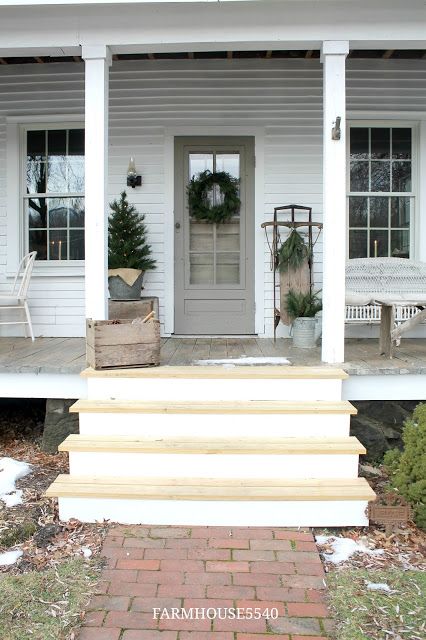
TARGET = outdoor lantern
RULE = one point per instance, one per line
(133, 180)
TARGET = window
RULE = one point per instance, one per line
(54, 193)
(381, 198)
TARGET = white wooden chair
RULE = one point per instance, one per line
(17, 298)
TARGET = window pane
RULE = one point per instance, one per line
(400, 212)
(36, 145)
(357, 244)
(359, 176)
(37, 241)
(380, 176)
(36, 176)
(76, 142)
(37, 213)
(358, 208)
(400, 244)
(380, 143)
(76, 212)
(359, 144)
(76, 244)
(57, 142)
(378, 243)
(58, 245)
(401, 176)
(58, 212)
(401, 143)
(379, 212)
(75, 174)
(57, 175)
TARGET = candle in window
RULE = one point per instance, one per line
(60, 249)
(375, 248)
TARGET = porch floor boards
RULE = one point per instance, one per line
(67, 355)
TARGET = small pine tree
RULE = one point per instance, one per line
(408, 468)
(127, 245)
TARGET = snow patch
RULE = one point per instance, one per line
(344, 548)
(378, 586)
(245, 361)
(10, 471)
(9, 557)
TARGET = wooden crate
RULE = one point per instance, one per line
(122, 343)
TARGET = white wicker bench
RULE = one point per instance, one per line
(391, 291)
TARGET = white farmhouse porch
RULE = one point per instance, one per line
(138, 106)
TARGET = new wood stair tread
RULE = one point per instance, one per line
(210, 489)
(218, 446)
(212, 372)
(215, 407)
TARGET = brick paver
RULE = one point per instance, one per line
(201, 583)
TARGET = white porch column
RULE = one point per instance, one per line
(333, 57)
(98, 61)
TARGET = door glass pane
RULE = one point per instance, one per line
(201, 268)
(214, 250)
(199, 162)
(227, 268)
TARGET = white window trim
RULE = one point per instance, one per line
(417, 147)
(16, 127)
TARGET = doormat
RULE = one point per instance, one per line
(248, 361)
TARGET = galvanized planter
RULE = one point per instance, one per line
(120, 290)
(304, 333)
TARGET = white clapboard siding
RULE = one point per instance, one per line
(282, 96)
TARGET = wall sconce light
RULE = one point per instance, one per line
(133, 180)
(335, 132)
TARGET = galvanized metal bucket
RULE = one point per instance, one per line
(304, 333)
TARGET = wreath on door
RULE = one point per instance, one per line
(201, 207)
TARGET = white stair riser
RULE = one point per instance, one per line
(321, 513)
(185, 465)
(297, 425)
(213, 389)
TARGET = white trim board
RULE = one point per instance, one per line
(259, 142)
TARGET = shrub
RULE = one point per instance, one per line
(408, 468)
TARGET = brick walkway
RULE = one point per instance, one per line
(208, 567)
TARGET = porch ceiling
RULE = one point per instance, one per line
(385, 54)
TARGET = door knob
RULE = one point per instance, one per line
(177, 225)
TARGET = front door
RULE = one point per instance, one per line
(214, 263)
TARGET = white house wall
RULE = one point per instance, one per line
(281, 97)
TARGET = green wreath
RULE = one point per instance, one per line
(201, 208)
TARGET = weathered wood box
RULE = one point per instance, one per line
(122, 343)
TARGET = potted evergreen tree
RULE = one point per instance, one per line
(302, 308)
(129, 254)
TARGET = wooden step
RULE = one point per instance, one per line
(214, 372)
(212, 407)
(216, 489)
(219, 446)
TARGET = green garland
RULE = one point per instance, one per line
(200, 207)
